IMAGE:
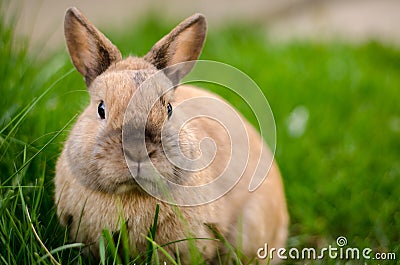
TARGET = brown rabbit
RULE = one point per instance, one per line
(97, 177)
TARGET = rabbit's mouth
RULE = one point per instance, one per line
(148, 177)
(125, 186)
(129, 186)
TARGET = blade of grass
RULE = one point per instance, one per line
(5, 239)
(41, 149)
(14, 227)
(152, 235)
(21, 116)
(178, 256)
(231, 249)
(40, 187)
(102, 250)
(79, 225)
(16, 117)
(24, 206)
(61, 248)
(125, 242)
(157, 246)
(111, 246)
(189, 239)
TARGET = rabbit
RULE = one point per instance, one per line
(94, 184)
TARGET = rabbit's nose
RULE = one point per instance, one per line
(142, 170)
(136, 153)
(133, 144)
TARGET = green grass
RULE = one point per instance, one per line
(341, 175)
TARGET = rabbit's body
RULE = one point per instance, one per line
(94, 186)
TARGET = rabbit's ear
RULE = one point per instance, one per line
(183, 43)
(91, 52)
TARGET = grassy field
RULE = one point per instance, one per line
(341, 168)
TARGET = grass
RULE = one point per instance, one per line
(341, 170)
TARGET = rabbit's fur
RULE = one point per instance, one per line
(94, 187)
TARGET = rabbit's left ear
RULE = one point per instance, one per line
(184, 43)
(91, 52)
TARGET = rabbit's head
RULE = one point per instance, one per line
(125, 106)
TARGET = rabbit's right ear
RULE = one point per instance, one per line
(91, 52)
(183, 44)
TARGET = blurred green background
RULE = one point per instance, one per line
(337, 112)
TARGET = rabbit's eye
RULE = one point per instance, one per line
(101, 110)
(169, 110)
